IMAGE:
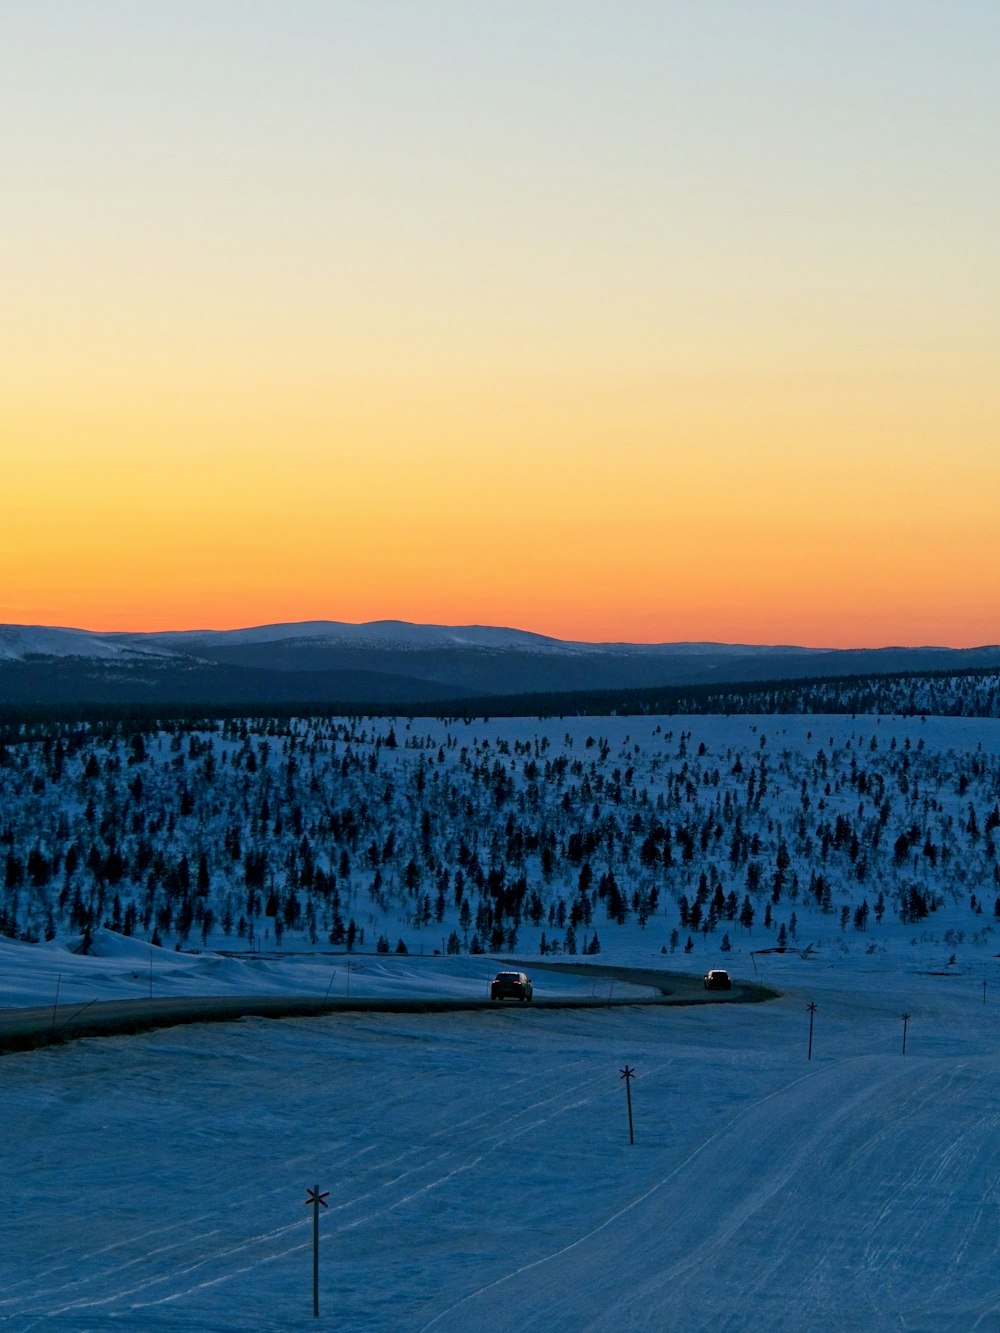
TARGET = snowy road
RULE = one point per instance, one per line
(27, 1028)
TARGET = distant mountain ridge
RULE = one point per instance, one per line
(389, 662)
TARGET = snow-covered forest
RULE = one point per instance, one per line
(510, 835)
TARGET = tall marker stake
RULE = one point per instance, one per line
(317, 1200)
(906, 1019)
(628, 1075)
(812, 1013)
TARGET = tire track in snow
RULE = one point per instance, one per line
(87, 1258)
(627, 1208)
(555, 1100)
(799, 1150)
(515, 1126)
(96, 1301)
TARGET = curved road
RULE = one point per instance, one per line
(26, 1029)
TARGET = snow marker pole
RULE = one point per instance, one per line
(315, 1199)
(628, 1074)
(812, 1012)
(906, 1019)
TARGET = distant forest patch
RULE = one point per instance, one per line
(968, 693)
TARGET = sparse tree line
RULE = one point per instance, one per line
(973, 692)
(400, 835)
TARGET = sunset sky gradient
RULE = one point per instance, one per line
(633, 320)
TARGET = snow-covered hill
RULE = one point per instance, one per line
(394, 663)
(401, 634)
(371, 634)
(21, 643)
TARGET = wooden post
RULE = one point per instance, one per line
(314, 1198)
(906, 1019)
(628, 1074)
(812, 1012)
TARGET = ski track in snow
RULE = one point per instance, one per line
(610, 1220)
(397, 1192)
(796, 1124)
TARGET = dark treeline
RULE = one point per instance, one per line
(969, 693)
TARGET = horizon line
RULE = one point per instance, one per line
(511, 629)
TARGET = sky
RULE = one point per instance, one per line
(649, 321)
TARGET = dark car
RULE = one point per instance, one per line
(510, 986)
(718, 979)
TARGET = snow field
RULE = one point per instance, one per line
(480, 1174)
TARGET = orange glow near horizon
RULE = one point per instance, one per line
(320, 323)
(630, 515)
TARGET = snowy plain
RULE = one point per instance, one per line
(480, 1173)
(479, 1169)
